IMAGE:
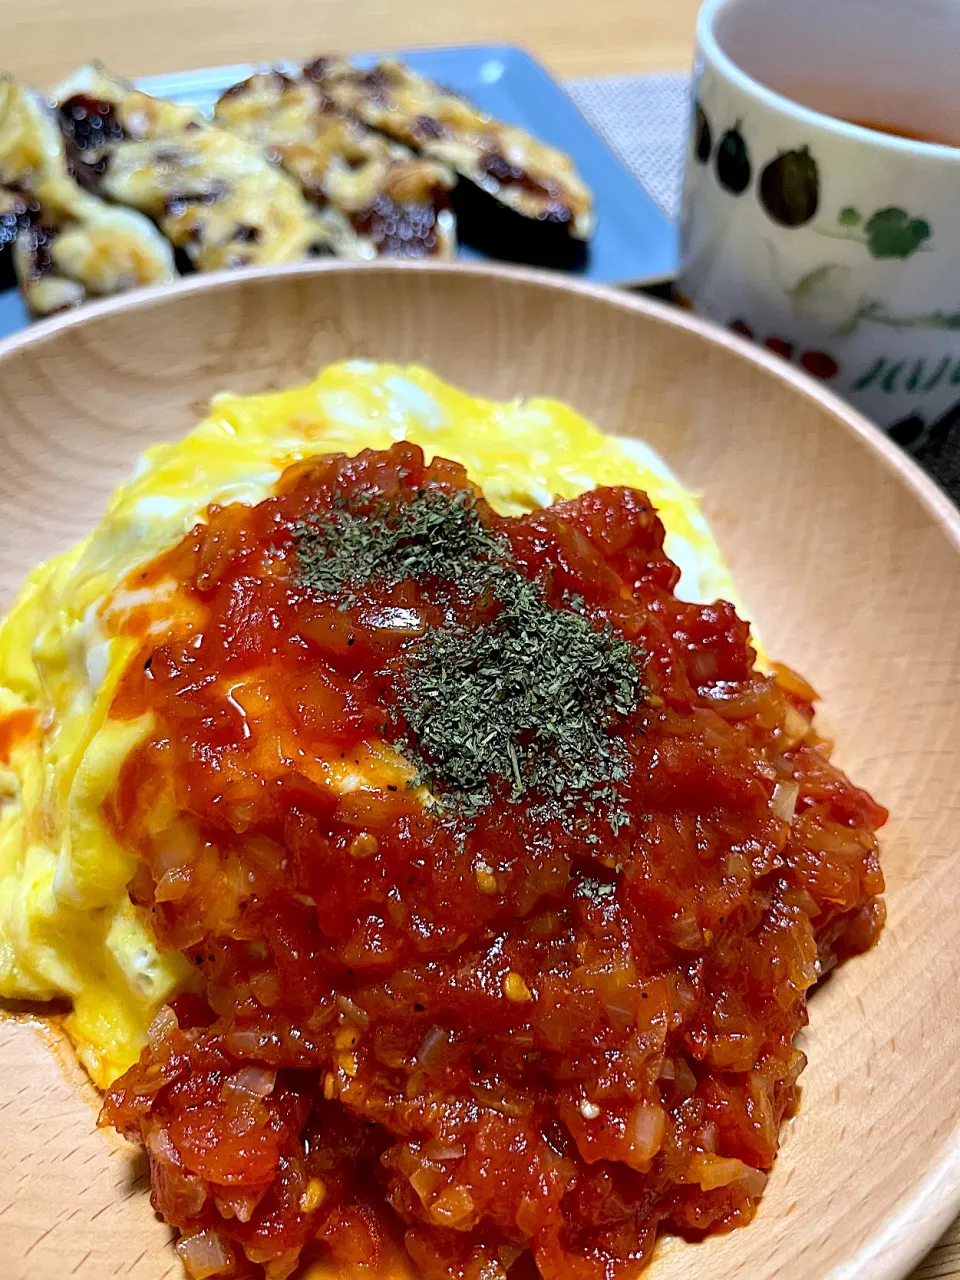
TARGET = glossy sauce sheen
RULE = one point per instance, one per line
(489, 1047)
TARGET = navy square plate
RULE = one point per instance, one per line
(634, 243)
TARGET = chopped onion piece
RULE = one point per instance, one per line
(255, 1082)
(436, 1149)
(453, 1207)
(712, 1171)
(163, 1024)
(425, 1181)
(432, 1045)
(645, 1132)
(237, 1204)
(160, 1144)
(784, 800)
(794, 730)
(247, 1042)
(685, 932)
(204, 1255)
(353, 1010)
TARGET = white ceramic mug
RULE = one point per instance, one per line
(836, 245)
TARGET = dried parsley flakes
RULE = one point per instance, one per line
(528, 699)
(525, 704)
(435, 534)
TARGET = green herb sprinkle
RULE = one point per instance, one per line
(524, 706)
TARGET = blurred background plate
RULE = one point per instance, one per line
(635, 243)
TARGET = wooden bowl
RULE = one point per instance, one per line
(848, 557)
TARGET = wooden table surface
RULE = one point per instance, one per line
(47, 38)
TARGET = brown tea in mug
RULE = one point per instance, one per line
(888, 113)
(898, 131)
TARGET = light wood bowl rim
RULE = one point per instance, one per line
(894, 459)
(910, 1233)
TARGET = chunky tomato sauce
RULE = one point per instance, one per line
(507, 1044)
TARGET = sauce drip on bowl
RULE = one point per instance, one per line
(534, 1019)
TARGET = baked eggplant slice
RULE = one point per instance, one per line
(96, 111)
(62, 243)
(219, 200)
(12, 209)
(214, 196)
(397, 203)
(517, 198)
(30, 147)
(29, 259)
(64, 255)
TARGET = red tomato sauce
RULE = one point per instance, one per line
(503, 1048)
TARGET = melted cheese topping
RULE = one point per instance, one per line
(213, 195)
(30, 145)
(333, 156)
(93, 248)
(445, 127)
(67, 927)
(141, 115)
(217, 198)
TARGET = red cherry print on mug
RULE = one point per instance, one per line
(819, 364)
(779, 346)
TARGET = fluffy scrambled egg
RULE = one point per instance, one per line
(67, 926)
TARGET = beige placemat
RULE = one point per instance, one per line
(644, 120)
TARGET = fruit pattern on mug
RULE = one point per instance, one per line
(788, 191)
(831, 297)
(887, 233)
(733, 162)
(819, 364)
(912, 431)
(886, 373)
(788, 188)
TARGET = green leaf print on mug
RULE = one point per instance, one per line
(888, 233)
(891, 233)
(830, 297)
(909, 375)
